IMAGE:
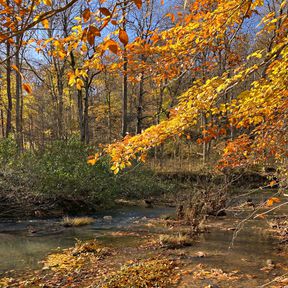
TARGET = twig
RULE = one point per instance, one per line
(272, 209)
(241, 224)
(274, 280)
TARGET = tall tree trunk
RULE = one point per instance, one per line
(19, 134)
(125, 80)
(86, 112)
(79, 103)
(109, 114)
(80, 115)
(2, 107)
(8, 86)
(60, 89)
(109, 117)
(204, 147)
(160, 103)
(2, 123)
(140, 104)
(125, 97)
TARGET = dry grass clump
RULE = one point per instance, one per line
(76, 221)
(175, 241)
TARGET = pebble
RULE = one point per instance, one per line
(201, 254)
(269, 262)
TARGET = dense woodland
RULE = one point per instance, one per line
(181, 103)
(187, 85)
(180, 82)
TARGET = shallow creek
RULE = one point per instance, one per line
(24, 243)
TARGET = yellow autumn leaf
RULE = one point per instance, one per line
(45, 23)
(79, 84)
(48, 2)
(91, 161)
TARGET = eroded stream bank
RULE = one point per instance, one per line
(133, 236)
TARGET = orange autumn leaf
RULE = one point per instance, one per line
(92, 32)
(123, 37)
(14, 67)
(272, 200)
(272, 183)
(18, 2)
(269, 202)
(86, 14)
(138, 3)
(27, 88)
(91, 161)
(276, 200)
(105, 11)
(112, 46)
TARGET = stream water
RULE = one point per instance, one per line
(24, 243)
(249, 254)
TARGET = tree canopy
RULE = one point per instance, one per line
(228, 89)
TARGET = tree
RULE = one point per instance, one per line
(270, 91)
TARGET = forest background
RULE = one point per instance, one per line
(183, 86)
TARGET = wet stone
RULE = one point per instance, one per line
(201, 254)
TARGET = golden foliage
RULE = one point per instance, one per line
(149, 273)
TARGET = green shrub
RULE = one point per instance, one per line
(140, 183)
(8, 151)
(61, 172)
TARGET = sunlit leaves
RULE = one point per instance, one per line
(86, 14)
(92, 159)
(138, 3)
(45, 23)
(27, 87)
(256, 54)
(91, 32)
(48, 2)
(18, 2)
(259, 108)
(76, 78)
(105, 11)
(244, 113)
(112, 46)
(123, 37)
(15, 68)
(272, 200)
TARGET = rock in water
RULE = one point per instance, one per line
(201, 254)
(148, 203)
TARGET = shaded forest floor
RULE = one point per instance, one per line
(156, 253)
